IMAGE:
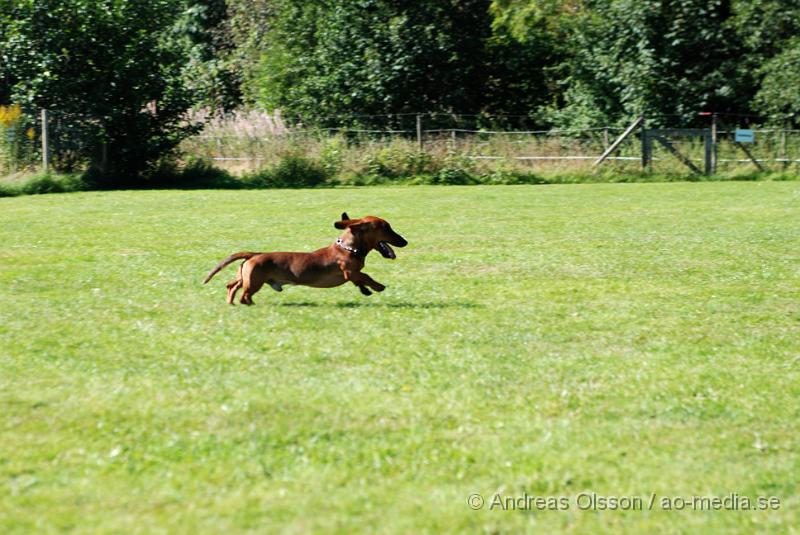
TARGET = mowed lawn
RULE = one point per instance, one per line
(543, 341)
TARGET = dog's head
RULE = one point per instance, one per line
(372, 233)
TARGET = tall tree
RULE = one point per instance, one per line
(211, 71)
(778, 97)
(667, 59)
(247, 26)
(6, 80)
(325, 58)
(770, 59)
(114, 65)
(530, 45)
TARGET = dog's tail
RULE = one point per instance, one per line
(232, 258)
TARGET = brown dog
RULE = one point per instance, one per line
(324, 268)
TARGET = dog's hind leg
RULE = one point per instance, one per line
(252, 281)
(248, 290)
(234, 285)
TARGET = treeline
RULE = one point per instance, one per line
(138, 66)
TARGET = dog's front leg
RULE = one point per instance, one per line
(362, 279)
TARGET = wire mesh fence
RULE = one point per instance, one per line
(20, 133)
(71, 140)
(398, 144)
(252, 141)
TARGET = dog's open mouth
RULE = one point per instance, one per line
(386, 250)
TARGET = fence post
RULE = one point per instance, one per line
(45, 142)
(645, 146)
(784, 156)
(419, 132)
(712, 168)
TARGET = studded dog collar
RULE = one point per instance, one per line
(346, 247)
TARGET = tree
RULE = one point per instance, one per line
(117, 65)
(210, 72)
(779, 95)
(666, 59)
(375, 57)
(247, 27)
(536, 46)
(771, 56)
(6, 82)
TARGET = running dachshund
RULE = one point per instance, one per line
(331, 266)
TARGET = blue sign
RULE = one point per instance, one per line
(745, 136)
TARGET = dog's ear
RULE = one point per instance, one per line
(345, 222)
(358, 225)
(345, 216)
(353, 224)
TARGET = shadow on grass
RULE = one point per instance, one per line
(375, 304)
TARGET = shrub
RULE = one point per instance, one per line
(44, 183)
(399, 161)
(293, 171)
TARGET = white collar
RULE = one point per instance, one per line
(346, 247)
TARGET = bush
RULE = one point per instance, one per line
(45, 183)
(195, 173)
(507, 177)
(293, 171)
(399, 161)
(456, 170)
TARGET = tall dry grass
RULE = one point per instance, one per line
(253, 140)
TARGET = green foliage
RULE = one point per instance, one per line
(48, 183)
(375, 56)
(193, 173)
(665, 59)
(248, 25)
(293, 171)
(300, 172)
(7, 80)
(332, 154)
(114, 63)
(44, 183)
(764, 27)
(395, 162)
(535, 44)
(779, 95)
(566, 63)
(210, 71)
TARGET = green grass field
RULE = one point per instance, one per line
(533, 341)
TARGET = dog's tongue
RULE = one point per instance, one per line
(386, 250)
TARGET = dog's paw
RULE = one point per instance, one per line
(379, 288)
(365, 290)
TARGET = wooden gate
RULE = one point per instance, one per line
(664, 138)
